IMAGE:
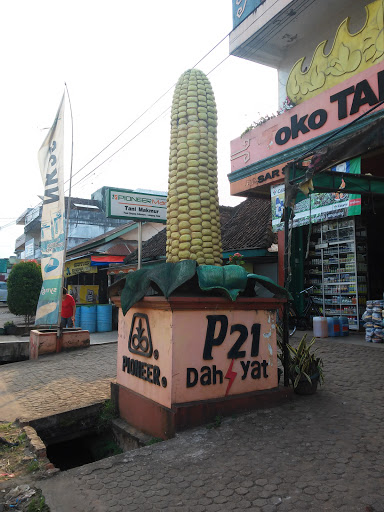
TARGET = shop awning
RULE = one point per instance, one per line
(328, 181)
(316, 166)
(105, 260)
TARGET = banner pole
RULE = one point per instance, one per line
(139, 243)
(68, 209)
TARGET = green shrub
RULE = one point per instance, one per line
(24, 285)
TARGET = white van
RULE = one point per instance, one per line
(3, 291)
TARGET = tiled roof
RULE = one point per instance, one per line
(250, 226)
(246, 226)
(154, 248)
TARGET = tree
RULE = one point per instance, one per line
(24, 285)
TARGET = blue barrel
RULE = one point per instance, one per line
(78, 316)
(333, 326)
(104, 317)
(88, 318)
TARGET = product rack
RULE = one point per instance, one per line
(337, 269)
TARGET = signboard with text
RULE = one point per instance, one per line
(186, 356)
(318, 207)
(78, 266)
(131, 205)
(265, 146)
(30, 248)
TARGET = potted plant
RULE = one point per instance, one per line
(305, 367)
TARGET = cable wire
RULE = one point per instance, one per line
(163, 95)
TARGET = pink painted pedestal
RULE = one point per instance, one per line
(45, 341)
(185, 360)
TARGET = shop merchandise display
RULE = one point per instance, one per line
(337, 269)
(373, 319)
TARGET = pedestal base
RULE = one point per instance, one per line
(159, 421)
(183, 361)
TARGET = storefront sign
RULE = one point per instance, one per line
(349, 101)
(127, 204)
(265, 177)
(74, 267)
(328, 111)
(318, 207)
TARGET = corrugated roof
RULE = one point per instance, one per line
(99, 238)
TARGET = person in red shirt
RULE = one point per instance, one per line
(68, 310)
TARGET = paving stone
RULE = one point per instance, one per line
(323, 453)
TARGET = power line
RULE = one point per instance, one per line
(157, 101)
(123, 146)
(141, 131)
(8, 225)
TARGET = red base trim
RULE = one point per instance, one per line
(159, 421)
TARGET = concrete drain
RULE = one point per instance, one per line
(82, 436)
(83, 450)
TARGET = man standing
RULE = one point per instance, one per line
(68, 310)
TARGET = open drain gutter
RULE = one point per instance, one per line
(77, 437)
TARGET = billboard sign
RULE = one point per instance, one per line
(318, 207)
(30, 248)
(139, 206)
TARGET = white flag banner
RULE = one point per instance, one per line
(51, 161)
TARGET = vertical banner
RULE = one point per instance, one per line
(51, 161)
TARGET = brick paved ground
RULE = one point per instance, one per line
(56, 383)
(319, 453)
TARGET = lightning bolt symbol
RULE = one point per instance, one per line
(231, 376)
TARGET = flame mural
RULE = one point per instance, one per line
(350, 54)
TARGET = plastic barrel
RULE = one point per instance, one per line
(333, 326)
(320, 327)
(78, 316)
(104, 317)
(88, 318)
(344, 325)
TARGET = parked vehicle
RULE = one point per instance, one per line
(3, 291)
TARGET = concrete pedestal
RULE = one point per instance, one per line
(185, 360)
(45, 341)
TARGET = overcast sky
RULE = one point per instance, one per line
(117, 58)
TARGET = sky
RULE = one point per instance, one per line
(120, 60)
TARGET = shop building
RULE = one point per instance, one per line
(86, 220)
(326, 142)
(94, 265)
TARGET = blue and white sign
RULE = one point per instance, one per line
(243, 8)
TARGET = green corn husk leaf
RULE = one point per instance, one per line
(167, 276)
(271, 286)
(170, 276)
(231, 279)
(136, 286)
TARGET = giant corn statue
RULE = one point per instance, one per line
(193, 219)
